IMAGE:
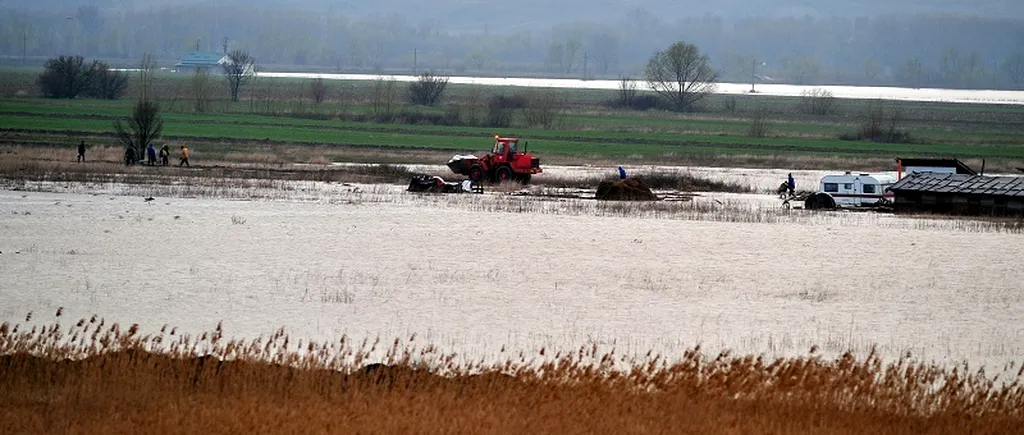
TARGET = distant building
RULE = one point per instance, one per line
(942, 166)
(196, 60)
(961, 194)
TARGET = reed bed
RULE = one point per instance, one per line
(95, 377)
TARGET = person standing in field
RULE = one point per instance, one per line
(165, 155)
(622, 173)
(81, 151)
(150, 155)
(792, 184)
(184, 156)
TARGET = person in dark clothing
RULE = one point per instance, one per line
(165, 155)
(622, 173)
(150, 155)
(792, 185)
(129, 156)
(81, 151)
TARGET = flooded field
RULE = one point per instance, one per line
(486, 274)
(977, 96)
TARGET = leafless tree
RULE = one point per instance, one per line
(383, 100)
(201, 89)
(106, 83)
(64, 77)
(1014, 67)
(318, 90)
(144, 126)
(817, 101)
(239, 69)
(147, 69)
(540, 108)
(627, 91)
(681, 75)
(428, 89)
(758, 124)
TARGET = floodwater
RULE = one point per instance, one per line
(979, 96)
(474, 276)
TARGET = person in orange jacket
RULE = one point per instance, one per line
(184, 156)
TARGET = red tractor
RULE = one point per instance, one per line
(504, 163)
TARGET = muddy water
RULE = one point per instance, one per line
(473, 281)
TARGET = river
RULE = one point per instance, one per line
(976, 96)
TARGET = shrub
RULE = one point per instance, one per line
(106, 83)
(881, 124)
(64, 77)
(541, 109)
(500, 109)
(758, 124)
(428, 89)
(817, 101)
(318, 90)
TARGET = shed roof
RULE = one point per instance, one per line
(960, 183)
(204, 58)
(961, 167)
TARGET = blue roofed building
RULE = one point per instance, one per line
(196, 60)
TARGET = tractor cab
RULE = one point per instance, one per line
(505, 147)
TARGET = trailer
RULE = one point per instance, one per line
(847, 190)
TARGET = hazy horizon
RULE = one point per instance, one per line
(951, 43)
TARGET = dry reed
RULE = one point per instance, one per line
(95, 377)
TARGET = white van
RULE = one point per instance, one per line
(854, 190)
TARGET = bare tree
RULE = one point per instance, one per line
(147, 69)
(681, 75)
(541, 108)
(758, 124)
(201, 88)
(64, 77)
(106, 83)
(627, 91)
(383, 100)
(1014, 67)
(817, 101)
(318, 90)
(143, 127)
(239, 69)
(428, 89)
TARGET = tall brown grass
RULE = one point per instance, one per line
(96, 377)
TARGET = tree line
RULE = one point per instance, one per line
(905, 50)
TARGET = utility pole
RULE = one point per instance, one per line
(585, 59)
(197, 43)
(24, 46)
(224, 44)
(753, 74)
(415, 60)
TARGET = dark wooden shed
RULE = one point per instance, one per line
(962, 194)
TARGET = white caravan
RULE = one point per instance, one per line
(853, 190)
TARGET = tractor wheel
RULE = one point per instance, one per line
(476, 173)
(503, 174)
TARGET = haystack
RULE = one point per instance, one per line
(630, 189)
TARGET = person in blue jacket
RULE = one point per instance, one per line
(792, 185)
(622, 173)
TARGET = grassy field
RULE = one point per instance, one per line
(584, 130)
(99, 378)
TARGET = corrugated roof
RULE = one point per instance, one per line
(960, 183)
(201, 58)
(961, 167)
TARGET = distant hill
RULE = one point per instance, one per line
(497, 13)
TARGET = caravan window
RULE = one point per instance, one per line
(831, 187)
(869, 188)
(848, 186)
